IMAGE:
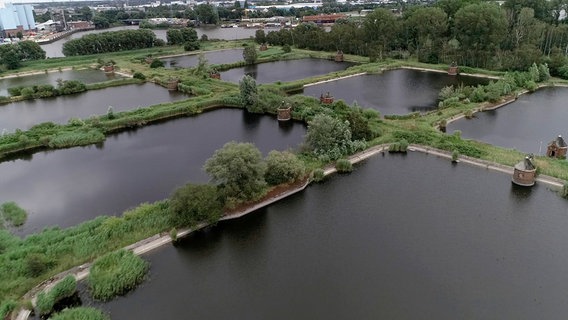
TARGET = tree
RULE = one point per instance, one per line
(427, 27)
(238, 171)
(196, 203)
(207, 14)
(11, 59)
(85, 13)
(260, 36)
(283, 167)
(249, 94)
(328, 138)
(380, 30)
(249, 54)
(174, 37)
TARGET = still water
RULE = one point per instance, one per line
(402, 237)
(287, 70)
(527, 124)
(85, 76)
(393, 92)
(24, 114)
(66, 187)
(213, 57)
(54, 49)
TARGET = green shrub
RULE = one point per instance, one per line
(156, 63)
(13, 214)
(139, 75)
(81, 313)
(318, 175)
(455, 156)
(286, 48)
(283, 167)
(196, 203)
(7, 307)
(115, 274)
(343, 166)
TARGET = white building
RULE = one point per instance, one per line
(15, 18)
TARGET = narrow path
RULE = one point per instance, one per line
(335, 79)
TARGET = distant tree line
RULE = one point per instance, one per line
(11, 55)
(111, 41)
(512, 36)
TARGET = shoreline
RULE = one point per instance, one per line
(159, 240)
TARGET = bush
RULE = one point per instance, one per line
(12, 213)
(286, 48)
(64, 289)
(7, 307)
(81, 313)
(37, 264)
(156, 63)
(115, 274)
(455, 156)
(283, 167)
(191, 46)
(343, 166)
(139, 75)
(194, 203)
(318, 175)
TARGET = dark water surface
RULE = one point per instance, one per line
(402, 237)
(527, 124)
(393, 92)
(66, 187)
(214, 57)
(85, 76)
(24, 114)
(288, 70)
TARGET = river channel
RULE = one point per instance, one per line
(66, 187)
(287, 70)
(402, 237)
(54, 49)
(528, 124)
(24, 114)
(393, 92)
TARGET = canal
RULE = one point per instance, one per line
(402, 237)
(388, 92)
(66, 187)
(528, 124)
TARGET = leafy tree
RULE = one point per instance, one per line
(196, 203)
(30, 50)
(380, 27)
(359, 125)
(11, 59)
(207, 14)
(85, 13)
(260, 36)
(282, 167)
(249, 54)
(427, 27)
(238, 171)
(249, 94)
(174, 36)
(328, 138)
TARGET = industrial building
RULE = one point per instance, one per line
(15, 18)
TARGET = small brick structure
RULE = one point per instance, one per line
(284, 113)
(557, 148)
(327, 99)
(524, 173)
(172, 84)
(453, 69)
(339, 56)
(263, 47)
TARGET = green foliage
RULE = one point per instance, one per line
(399, 146)
(283, 167)
(191, 45)
(139, 75)
(343, 166)
(564, 191)
(318, 175)
(328, 138)
(36, 264)
(194, 203)
(104, 42)
(286, 48)
(63, 289)
(260, 36)
(81, 313)
(115, 274)
(12, 213)
(7, 307)
(359, 125)
(156, 63)
(238, 171)
(249, 94)
(250, 55)
(455, 156)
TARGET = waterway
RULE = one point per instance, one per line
(85, 76)
(214, 57)
(398, 91)
(287, 70)
(528, 124)
(66, 187)
(402, 237)
(24, 114)
(54, 49)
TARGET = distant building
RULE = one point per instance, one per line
(324, 18)
(15, 18)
